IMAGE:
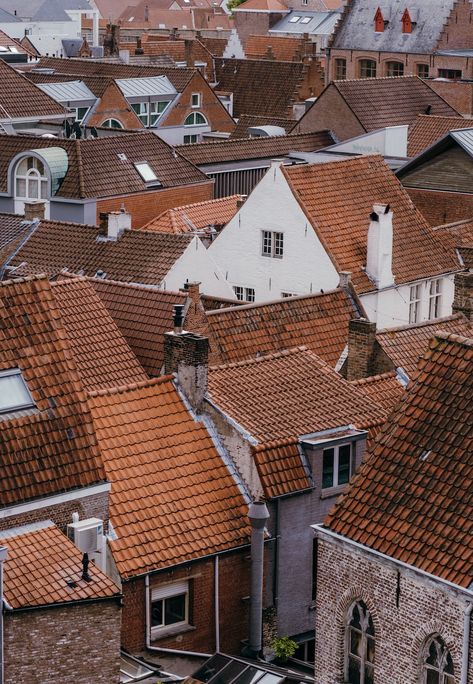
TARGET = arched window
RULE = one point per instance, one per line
(367, 68)
(111, 123)
(394, 69)
(195, 119)
(437, 663)
(31, 181)
(359, 661)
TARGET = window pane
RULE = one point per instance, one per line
(353, 671)
(22, 167)
(369, 674)
(355, 642)
(278, 244)
(44, 189)
(327, 468)
(33, 188)
(433, 677)
(21, 187)
(449, 665)
(344, 454)
(13, 393)
(267, 243)
(433, 655)
(250, 676)
(370, 649)
(175, 609)
(157, 613)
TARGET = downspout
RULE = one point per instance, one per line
(259, 516)
(217, 606)
(276, 558)
(466, 642)
(3, 557)
(174, 651)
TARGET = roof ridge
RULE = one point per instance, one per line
(286, 441)
(122, 389)
(135, 286)
(422, 324)
(234, 141)
(462, 222)
(24, 279)
(271, 302)
(453, 337)
(377, 78)
(267, 357)
(374, 378)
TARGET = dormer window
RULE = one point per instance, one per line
(379, 21)
(406, 22)
(14, 393)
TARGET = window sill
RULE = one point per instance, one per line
(172, 630)
(333, 491)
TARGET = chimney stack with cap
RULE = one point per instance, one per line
(361, 360)
(463, 297)
(34, 211)
(117, 222)
(379, 261)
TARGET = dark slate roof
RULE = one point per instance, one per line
(356, 30)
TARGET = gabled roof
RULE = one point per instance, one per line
(22, 99)
(318, 321)
(427, 130)
(44, 567)
(68, 91)
(12, 45)
(356, 31)
(85, 178)
(247, 121)
(260, 86)
(253, 148)
(411, 499)
(458, 237)
(200, 215)
(262, 6)
(143, 315)
(51, 447)
(192, 508)
(384, 389)
(388, 101)
(341, 219)
(407, 344)
(137, 256)
(102, 354)
(281, 47)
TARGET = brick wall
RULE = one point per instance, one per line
(456, 34)
(331, 112)
(254, 24)
(113, 105)
(346, 575)
(147, 205)
(458, 94)
(442, 207)
(463, 301)
(95, 506)
(234, 587)
(68, 645)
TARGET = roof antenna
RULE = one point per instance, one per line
(85, 568)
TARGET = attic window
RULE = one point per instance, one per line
(14, 393)
(379, 23)
(294, 20)
(306, 20)
(406, 22)
(146, 172)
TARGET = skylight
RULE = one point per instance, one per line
(293, 20)
(14, 394)
(305, 20)
(146, 172)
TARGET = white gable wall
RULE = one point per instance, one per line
(305, 266)
(196, 265)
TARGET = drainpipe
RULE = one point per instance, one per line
(466, 642)
(216, 602)
(259, 516)
(3, 557)
(174, 651)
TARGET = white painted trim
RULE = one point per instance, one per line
(55, 500)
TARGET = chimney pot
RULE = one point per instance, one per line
(178, 317)
(85, 568)
(345, 278)
(34, 210)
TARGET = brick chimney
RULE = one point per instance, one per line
(34, 210)
(379, 258)
(361, 362)
(463, 297)
(189, 53)
(187, 355)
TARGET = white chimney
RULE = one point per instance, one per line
(118, 222)
(95, 28)
(124, 56)
(379, 261)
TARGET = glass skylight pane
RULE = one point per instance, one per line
(293, 20)
(14, 394)
(305, 20)
(146, 172)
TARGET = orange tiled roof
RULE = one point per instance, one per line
(51, 448)
(285, 49)
(200, 215)
(341, 219)
(319, 321)
(407, 344)
(280, 468)
(150, 443)
(41, 561)
(411, 499)
(143, 315)
(262, 6)
(427, 130)
(101, 352)
(385, 389)
(458, 238)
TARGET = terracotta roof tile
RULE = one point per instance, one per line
(41, 561)
(138, 256)
(143, 315)
(199, 215)
(260, 86)
(458, 239)
(407, 344)
(341, 220)
(319, 321)
(216, 46)
(146, 434)
(262, 5)
(254, 148)
(101, 352)
(247, 121)
(280, 468)
(385, 389)
(283, 48)
(427, 130)
(411, 499)
(50, 448)
(20, 98)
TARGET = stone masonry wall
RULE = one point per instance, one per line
(346, 575)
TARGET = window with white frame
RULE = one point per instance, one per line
(169, 608)
(244, 294)
(435, 298)
(190, 139)
(31, 181)
(195, 119)
(284, 295)
(415, 302)
(336, 465)
(195, 100)
(272, 244)
(111, 123)
(149, 112)
(14, 393)
(81, 113)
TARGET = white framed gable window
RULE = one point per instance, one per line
(195, 100)
(169, 610)
(272, 244)
(14, 393)
(31, 180)
(435, 298)
(336, 465)
(415, 301)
